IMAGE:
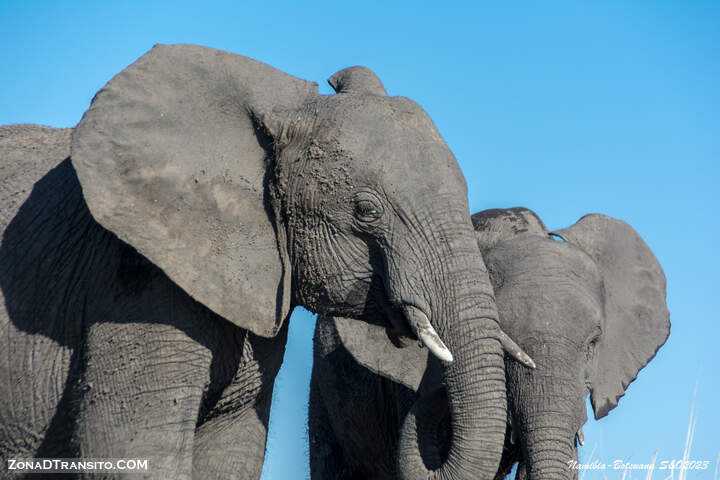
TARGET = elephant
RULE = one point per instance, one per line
(587, 303)
(152, 255)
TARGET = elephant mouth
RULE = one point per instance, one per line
(406, 319)
(409, 321)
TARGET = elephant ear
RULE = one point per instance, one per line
(637, 321)
(370, 346)
(174, 157)
(357, 79)
(497, 224)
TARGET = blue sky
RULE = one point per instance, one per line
(563, 107)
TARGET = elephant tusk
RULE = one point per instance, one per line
(515, 351)
(580, 437)
(420, 325)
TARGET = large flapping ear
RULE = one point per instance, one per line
(498, 224)
(172, 156)
(357, 80)
(637, 321)
(370, 347)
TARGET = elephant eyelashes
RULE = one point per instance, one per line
(367, 209)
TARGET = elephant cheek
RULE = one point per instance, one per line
(361, 295)
(337, 285)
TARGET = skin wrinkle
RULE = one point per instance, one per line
(416, 288)
(339, 254)
(158, 349)
(548, 461)
(9, 379)
(424, 228)
(543, 419)
(440, 271)
(122, 380)
(551, 439)
(432, 258)
(493, 400)
(312, 247)
(346, 252)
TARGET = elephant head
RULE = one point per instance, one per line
(255, 194)
(588, 304)
(590, 310)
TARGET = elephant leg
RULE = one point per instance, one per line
(354, 414)
(147, 362)
(230, 438)
(327, 459)
(36, 393)
(142, 387)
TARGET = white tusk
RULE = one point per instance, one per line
(515, 351)
(580, 437)
(421, 327)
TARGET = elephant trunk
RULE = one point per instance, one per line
(548, 408)
(549, 452)
(475, 384)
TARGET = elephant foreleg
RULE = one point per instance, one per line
(230, 439)
(146, 365)
(141, 398)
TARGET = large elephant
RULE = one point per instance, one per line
(590, 311)
(151, 256)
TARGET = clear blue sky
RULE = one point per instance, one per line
(562, 107)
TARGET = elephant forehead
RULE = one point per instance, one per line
(545, 285)
(508, 222)
(392, 140)
(567, 321)
(532, 258)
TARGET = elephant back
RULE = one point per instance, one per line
(27, 153)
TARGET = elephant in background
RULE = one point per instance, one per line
(587, 303)
(152, 255)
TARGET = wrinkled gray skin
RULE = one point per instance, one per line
(151, 256)
(590, 310)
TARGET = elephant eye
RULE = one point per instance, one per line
(592, 344)
(367, 210)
